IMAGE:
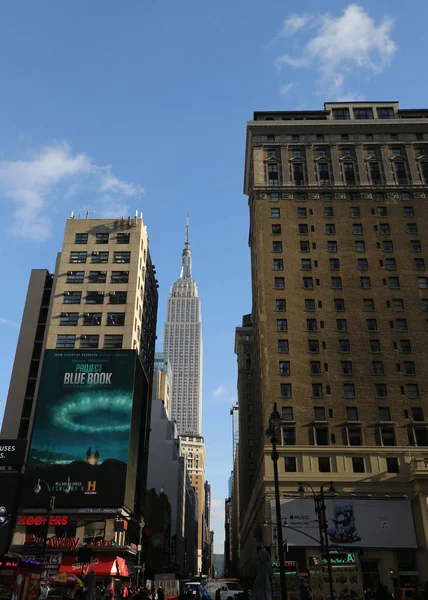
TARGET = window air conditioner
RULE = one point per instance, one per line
(112, 293)
(83, 337)
(66, 293)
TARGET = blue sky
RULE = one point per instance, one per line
(112, 106)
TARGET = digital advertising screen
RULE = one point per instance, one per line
(80, 439)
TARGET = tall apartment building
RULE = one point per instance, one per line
(183, 346)
(338, 240)
(97, 313)
(234, 413)
(162, 381)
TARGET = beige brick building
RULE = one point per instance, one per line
(338, 212)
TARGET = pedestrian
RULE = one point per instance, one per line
(218, 594)
(198, 595)
(161, 595)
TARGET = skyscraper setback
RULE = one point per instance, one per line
(183, 347)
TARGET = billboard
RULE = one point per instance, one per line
(9, 483)
(353, 523)
(81, 433)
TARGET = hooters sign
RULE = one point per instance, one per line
(40, 520)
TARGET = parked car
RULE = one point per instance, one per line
(230, 589)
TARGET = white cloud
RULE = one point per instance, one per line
(219, 391)
(52, 175)
(4, 321)
(284, 89)
(338, 46)
(215, 502)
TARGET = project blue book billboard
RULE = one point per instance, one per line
(81, 434)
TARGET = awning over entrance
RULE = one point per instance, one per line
(101, 565)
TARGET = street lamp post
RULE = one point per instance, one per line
(320, 509)
(139, 548)
(51, 505)
(274, 421)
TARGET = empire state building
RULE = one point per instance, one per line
(183, 347)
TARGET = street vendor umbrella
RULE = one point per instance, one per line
(68, 579)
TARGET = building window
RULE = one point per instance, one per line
(118, 297)
(121, 257)
(119, 277)
(346, 152)
(351, 413)
(363, 113)
(358, 465)
(271, 153)
(284, 367)
(97, 277)
(69, 318)
(281, 305)
(285, 389)
(323, 174)
(281, 325)
(122, 238)
(400, 172)
(279, 283)
(357, 229)
(374, 345)
(340, 114)
(311, 325)
(287, 413)
(321, 436)
(334, 264)
(113, 341)
(419, 263)
(80, 238)
(336, 283)
(309, 304)
(355, 437)
(415, 246)
(385, 113)
(349, 390)
(295, 137)
(92, 319)
(355, 212)
(341, 325)
(363, 264)
(78, 257)
(273, 175)
(65, 341)
(283, 346)
(276, 229)
(321, 153)
(324, 464)
(413, 390)
(339, 304)
(381, 391)
(302, 212)
(349, 173)
(375, 175)
(401, 324)
(99, 257)
(298, 174)
(313, 346)
(278, 264)
(394, 282)
(275, 213)
(101, 238)
(75, 276)
(392, 464)
(308, 283)
(95, 298)
(385, 228)
(409, 368)
(320, 137)
(346, 367)
(317, 390)
(72, 297)
(330, 228)
(306, 264)
(387, 436)
(288, 436)
(270, 138)
(360, 246)
(89, 341)
(377, 367)
(276, 246)
(344, 346)
(365, 283)
(418, 436)
(115, 319)
(304, 230)
(397, 304)
(417, 414)
(290, 464)
(422, 282)
(405, 346)
(331, 246)
(319, 413)
(384, 413)
(315, 367)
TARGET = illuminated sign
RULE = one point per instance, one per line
(347, 558)
(9, 563)
(54, 542)
(290, 567)
(42, 520)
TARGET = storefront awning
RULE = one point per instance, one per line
(100, 564)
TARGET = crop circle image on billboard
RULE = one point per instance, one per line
(73, 413)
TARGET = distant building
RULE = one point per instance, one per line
(218, 565)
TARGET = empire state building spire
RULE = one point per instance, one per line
(186, 257)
